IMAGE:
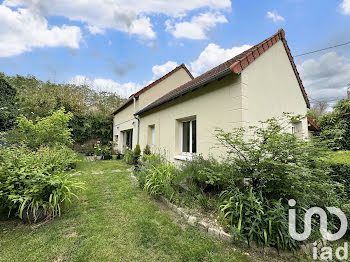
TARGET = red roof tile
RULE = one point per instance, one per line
(236, 65)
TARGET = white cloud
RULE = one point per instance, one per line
(23, 30)
(143, 27)
(161, 70)
(214, 55)
(198, 27)
(326, 77)
(346, 7)
(275, 17)
(108, 85)
(126, 16)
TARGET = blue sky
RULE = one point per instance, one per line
(121, 45)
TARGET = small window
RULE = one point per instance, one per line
(189, 136)
(294, 128)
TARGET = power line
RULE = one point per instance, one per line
(319, 50)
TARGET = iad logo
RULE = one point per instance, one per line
(326, 252)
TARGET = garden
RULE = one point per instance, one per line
(248, 191)
(59, 202)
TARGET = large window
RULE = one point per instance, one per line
(189, 136)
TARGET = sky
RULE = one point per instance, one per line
(122, 45)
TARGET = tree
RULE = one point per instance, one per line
(8, 105)
(91, 110)
(335, 126)
(317, 110)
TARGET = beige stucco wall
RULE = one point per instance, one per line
(215, 106)
(177, 79)
(124, 119)
(270, 88)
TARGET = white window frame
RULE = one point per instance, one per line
(181, 137)
(294, 128)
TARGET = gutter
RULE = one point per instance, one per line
(186, 90)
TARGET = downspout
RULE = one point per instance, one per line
(138, 129)
(138, 122)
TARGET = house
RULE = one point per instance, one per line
(177, 114)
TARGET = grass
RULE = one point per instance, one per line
(113, 220)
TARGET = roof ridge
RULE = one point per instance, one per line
(236, 64)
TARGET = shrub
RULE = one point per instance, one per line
(335, 126)
(254, 218)
(208, 173)
(129, 157)
(147, 163)
(30, 180)
(147, 150)
(339, 165)
(160, 180)
(280, 164)
(48, 131)
(277, 166)
(137, 150)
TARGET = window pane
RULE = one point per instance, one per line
(194, 136)
(186, 137)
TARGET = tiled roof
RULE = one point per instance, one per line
(138, 93)
(235, 65)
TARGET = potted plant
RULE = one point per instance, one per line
(106, 152)
(137, 153)
(119, 154)
(98, 151)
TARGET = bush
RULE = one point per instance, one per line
(339, 165)
(48, 131)
(252, 217)
(208, 173)
(160, 180)
(147, 163)
(147, 150)
(335, 126)
(137, 150)
(129, 157)
(30, 180)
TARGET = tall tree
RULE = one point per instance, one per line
(8, 105)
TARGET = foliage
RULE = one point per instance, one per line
(148, 162)
(279, 163)
(339, 164)
(255, 218)
(106, 150)
(47, 131)
(129, 157)
(335, 126)
(147, 150)
(91, 110)
(160, 180)
(208, 172)
(35, 179)
(8, 105)
(137, 150)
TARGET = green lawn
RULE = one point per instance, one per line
(114, 220)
